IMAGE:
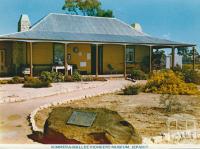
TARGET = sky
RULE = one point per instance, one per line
(177, 20)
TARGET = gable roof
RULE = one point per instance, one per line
(74, 28)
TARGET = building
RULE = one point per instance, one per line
(92, 45)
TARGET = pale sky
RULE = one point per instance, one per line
(177, 20)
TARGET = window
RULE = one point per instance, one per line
(59, 52)
(130, 55)
(2, 57)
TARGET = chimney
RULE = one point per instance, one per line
(137, 27)
(24, 23)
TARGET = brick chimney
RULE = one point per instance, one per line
(24, 23)
(137, 27)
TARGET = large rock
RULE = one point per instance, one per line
(108, 128)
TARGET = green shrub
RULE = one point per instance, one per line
(46, 76)
(16, 80)
(138, 75)
(169, 82)
(68, 79)
(171, 103)
(35, 83)
(99, 79)
(4, 81)
(191, 76)
(52, 76)
(132, 89)
(88, 78)
(91, 78)
(76, 76)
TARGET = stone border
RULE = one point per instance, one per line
(14, 98)
(33, 113)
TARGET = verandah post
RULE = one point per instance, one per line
(193, 62)
(173, 57)
(31, 59)
(124, 60)
(97, 64)
(150, 59)
(65, 61)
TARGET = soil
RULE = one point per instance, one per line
(143, 111)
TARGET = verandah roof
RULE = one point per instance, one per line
(72, 28)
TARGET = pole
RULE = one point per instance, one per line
(97, 64)
(150, 59)
(31, 59)
(125, 61)
(65, 61)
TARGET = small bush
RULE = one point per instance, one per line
(138, 75)
(132, 89)
(16, 80)
(52, 76)
(4, 81)
(68, 79)
(91, 78)
(76, 76)
(99, 79)
(171, 103)
(88, 78)
(35, 83)
(191, 76)
(169, 82)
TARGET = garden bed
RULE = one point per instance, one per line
(142, 111)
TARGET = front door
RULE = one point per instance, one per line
(2, 61)
(93, 59)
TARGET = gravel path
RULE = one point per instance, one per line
(14, 126)
(16, 92)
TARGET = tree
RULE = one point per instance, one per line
(158, 59)
(86, 8)
(187, 54)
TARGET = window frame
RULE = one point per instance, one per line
(130, 49)
(54, 52)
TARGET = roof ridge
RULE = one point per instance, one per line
(82, 16)
(39, 21)
(131, 27)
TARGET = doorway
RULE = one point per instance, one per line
(2, 61)
(100, 59)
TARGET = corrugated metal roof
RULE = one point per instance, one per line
(63, 27)
(84, 24)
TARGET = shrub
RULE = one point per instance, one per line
(191, 76)
(169, 82)
(145, 64)
(52, 76)
(4, 81)
(171, 103)
(16, 80)
(68, 79)
(91, 78)
(88, 78)
(138, 75)
(35, 83)
(99, 79)
(76, 76)
(132, 89)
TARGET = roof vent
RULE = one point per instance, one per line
(137, 27)
(24, 23)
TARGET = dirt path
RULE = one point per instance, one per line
(14, 126)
